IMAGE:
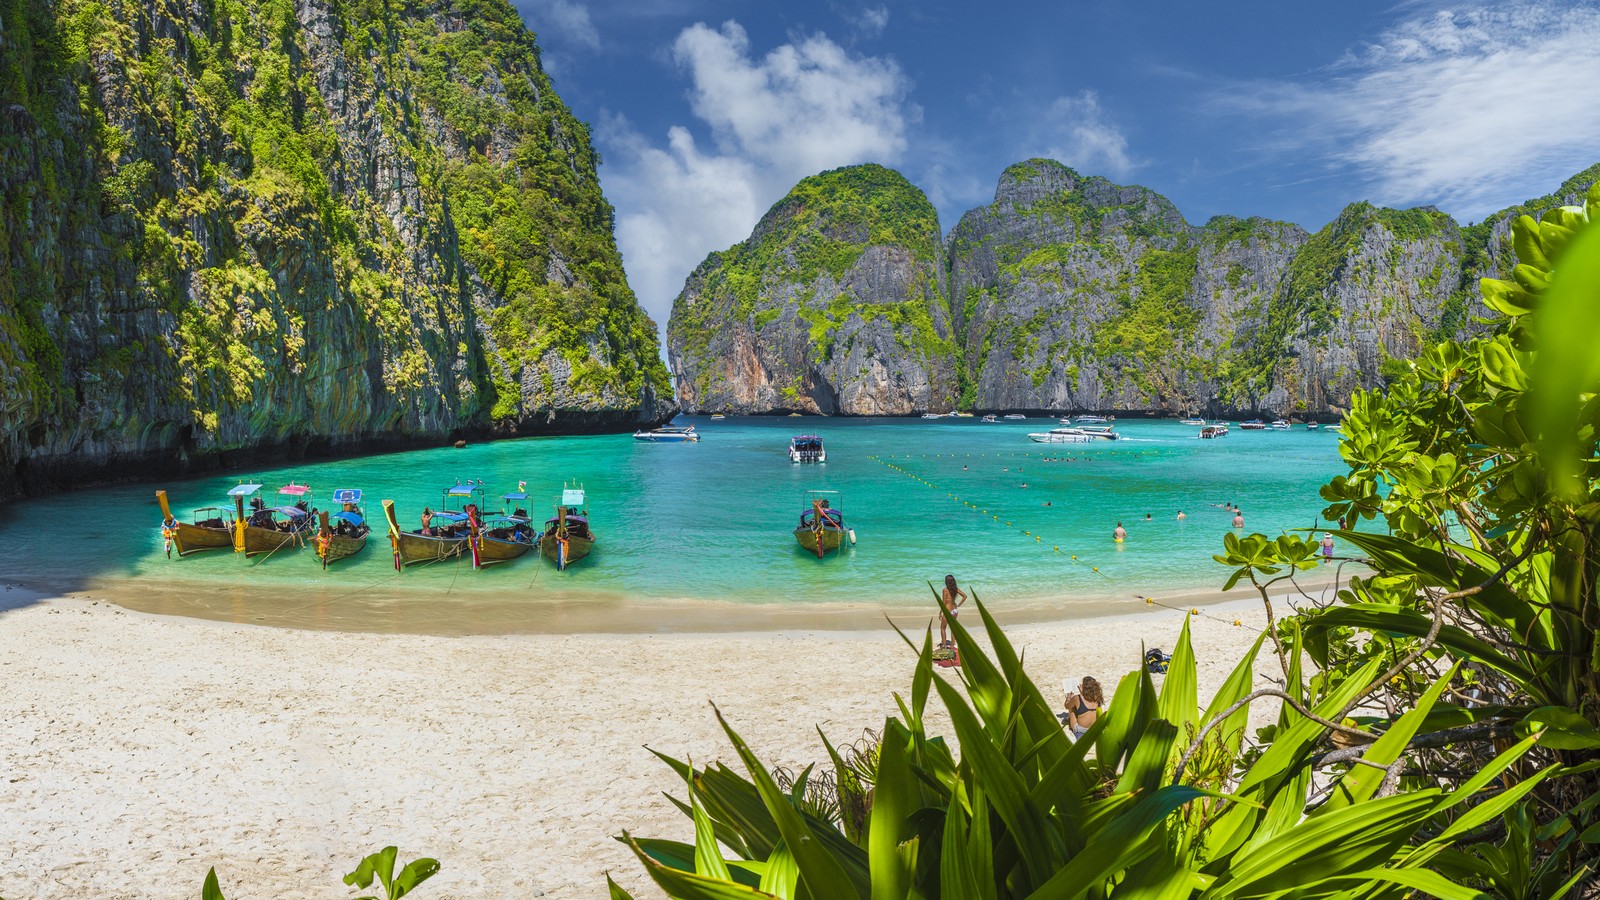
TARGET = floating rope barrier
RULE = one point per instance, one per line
(994, 517)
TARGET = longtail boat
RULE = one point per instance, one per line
(504, 536)
(443, 535)
(211, 528)
(343, 533)
(821, 527)
(567, 537)
(268, 529)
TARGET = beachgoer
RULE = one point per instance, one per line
(1083, 706)
(427, 522)
(1147, 517)
(1327, 545)
(1238, 518)
(1120, 534)
(1047, 503)
(1181, 516)
(952, 607)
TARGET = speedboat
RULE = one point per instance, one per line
(717, 417)
(990, 419)
(1015, 416)
(1199, 422)
(932, 416)
(1280, 425)
(1100, 432)
(1091, 420)
(807, 448)
(1214, 431)
(1312, 426)
(667, 434)
(1253, 425)
(1062, 436)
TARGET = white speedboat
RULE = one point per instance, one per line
(932, 416)
(1015, 416)
(1198, 422)
(1253, 425)
(667, 434)
(1312, 426)
(1280, 424)
(1214, 431)
(1100, 432)
(804, 448)
(1091, 420)
(717, 417)
(1062, 436)
(990, 419)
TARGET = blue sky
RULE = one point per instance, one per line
(707, 111)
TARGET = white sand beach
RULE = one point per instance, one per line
(139, 750)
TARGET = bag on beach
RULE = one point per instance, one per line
(1155, 661)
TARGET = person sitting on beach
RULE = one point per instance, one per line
(1120, 534)
(952, 607)
(1083, 707)
(427, 522)
(1238, 518)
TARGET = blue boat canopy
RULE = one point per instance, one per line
(519, 495)
(244, 490)
(350, 517)
(450, 516)
(347, 495)
(293, 512)
(461, 490)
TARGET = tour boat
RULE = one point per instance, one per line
(1253, 425)
(1061, 436)
(717, 416)
(210, 528)
(1090, 419)
(444, 534)
(1100, 432)
(990, 419)
(932, 416)
(567, 537)
(821, 527)
(1214, 431)
(1312, 426)
(1015, 416)
(807, 448)
(1199, 422)
(1280, 425)
(268, 529)
(343, 532)
(667, 434)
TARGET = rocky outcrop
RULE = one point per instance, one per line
(1071, 293)
(835, 305)
(263, 228)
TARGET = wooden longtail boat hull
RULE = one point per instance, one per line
(187, 539)
(577, 548)
(338, 546)
(268, 540)
(829, 539)
(496, 550)
(418, 548)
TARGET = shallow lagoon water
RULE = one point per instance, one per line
(712, 521)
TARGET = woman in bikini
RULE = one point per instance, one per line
(1083, 706)
(951, 605)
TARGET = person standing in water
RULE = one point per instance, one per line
(1181, 516)
(1327, 545)
(1120, 534)
(1238, 518)
(952, 607)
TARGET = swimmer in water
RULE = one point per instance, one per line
(1181, 516)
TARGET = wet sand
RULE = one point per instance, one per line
(140, 750)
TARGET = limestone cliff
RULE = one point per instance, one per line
(258, 226)
(835, 304)
(1071, 293)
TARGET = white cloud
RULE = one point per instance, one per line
(1468, 109)
(1075, 130)
(871, 21)
(805, 106)
(564, 19)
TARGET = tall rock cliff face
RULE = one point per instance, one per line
(835, 304)
(1071, 293)
(251, 226)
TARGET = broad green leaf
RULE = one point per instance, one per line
(616, 891)
(782, 878)
(379, 865)
(1179, 701)
(708, 859)
(682, 885)
(1431, 883)
(211, 890)
(956, 878)
(1362, 781)
(415, 872)
(894, 798)
(1560, 728)
(1567, 365)
(1388, 617)
(1125, 841)
(1238, 686)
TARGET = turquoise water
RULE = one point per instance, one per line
(713, 520)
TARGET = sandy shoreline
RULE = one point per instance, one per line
(140, 749)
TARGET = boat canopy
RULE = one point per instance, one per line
(462, 490)
(294, 490)
(450, 516)
(515, 495)
(350, 517)
(572, 497)
(293, 512)
(244, 490)
(347, 495)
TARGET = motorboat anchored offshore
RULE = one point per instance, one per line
(1062, 436)
(1192, 421)
(1280, 425)
(805, 448)
(1214, 431)
(1253, 425)
(667, 434)
(1100, 432)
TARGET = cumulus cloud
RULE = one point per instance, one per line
(1076, 131)
(871, 22)
(769, 120)
(564, 19)
(1469, 109)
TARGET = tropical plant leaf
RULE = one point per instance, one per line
(1362, 781)
(211, 890)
